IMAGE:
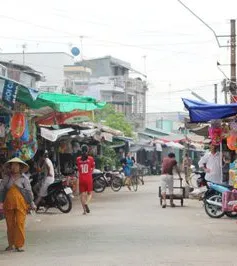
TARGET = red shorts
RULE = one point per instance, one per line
(85, 185)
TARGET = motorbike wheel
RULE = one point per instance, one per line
(116, 184)
(63, 202)
(99, 184)
(214, 211)
(231, 214)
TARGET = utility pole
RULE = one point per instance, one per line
(23, 52)
(225, 89)
(215, 92)
(232, 59)
(144, 58)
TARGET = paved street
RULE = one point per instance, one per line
(127, 228)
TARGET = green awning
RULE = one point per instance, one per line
(59, 102)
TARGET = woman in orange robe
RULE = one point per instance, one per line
(15, 197)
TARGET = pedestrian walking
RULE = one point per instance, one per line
(167, 180)
(16, 197)
(85, 165)
(187, 162)
(127, 163)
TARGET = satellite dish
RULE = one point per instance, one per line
(75, 51)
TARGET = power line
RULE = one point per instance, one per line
(209, 27)
(35, 25)
(186, 89)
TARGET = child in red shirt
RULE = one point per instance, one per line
(85, 165)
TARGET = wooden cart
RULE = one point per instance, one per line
(179, 193)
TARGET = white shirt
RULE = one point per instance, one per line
(213, 162)
(49, 171)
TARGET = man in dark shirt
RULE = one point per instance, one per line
(167, 180)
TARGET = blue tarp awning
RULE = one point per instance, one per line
(204, 112)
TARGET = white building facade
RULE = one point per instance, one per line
(51, 64)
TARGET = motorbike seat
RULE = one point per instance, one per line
(54, 184)
(199, 172)
(223, 185)
(227, 186)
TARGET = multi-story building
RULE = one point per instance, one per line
(107, 79)
(76, 79)
(111, 81)
(21, 73)
(49, 63)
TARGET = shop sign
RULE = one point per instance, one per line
(9, 92)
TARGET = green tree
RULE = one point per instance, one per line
(109, 117)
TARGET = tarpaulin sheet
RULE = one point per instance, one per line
(60, 102)
(204, 112)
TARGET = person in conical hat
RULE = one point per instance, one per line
(15, 198)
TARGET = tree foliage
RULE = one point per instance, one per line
(109, 117)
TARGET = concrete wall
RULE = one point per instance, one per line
(100, 67)
(50, 64)
(171, 120)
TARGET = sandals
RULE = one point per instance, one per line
(87, 208)
(19, 250)
(9, 248)
(12, 249)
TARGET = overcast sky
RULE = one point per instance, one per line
(181, 53)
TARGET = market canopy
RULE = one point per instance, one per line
(53, 135)
(71, 118)
(12, 91)
(204, 112)
(60, 102)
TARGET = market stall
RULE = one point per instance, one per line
(20, 108)
(222, 133)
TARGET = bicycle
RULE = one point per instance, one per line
(132, 181)
(192, 177)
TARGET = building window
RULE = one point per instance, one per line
(106, 98)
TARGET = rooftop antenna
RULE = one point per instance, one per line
(81, 39)
(24, 46)
(144, 58)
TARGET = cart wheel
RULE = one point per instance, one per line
(160, 201)
(182, 202)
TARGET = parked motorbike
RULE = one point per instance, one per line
(59, 195)
(213, 200)
(199, 185)
(101, 180)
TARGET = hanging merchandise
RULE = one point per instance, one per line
(215, 135)
(233, 174)
(27, 151)
(232, 142)
(17, 125)
(233, 128)
(215, 132)
(26, 136)
(225, 131)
